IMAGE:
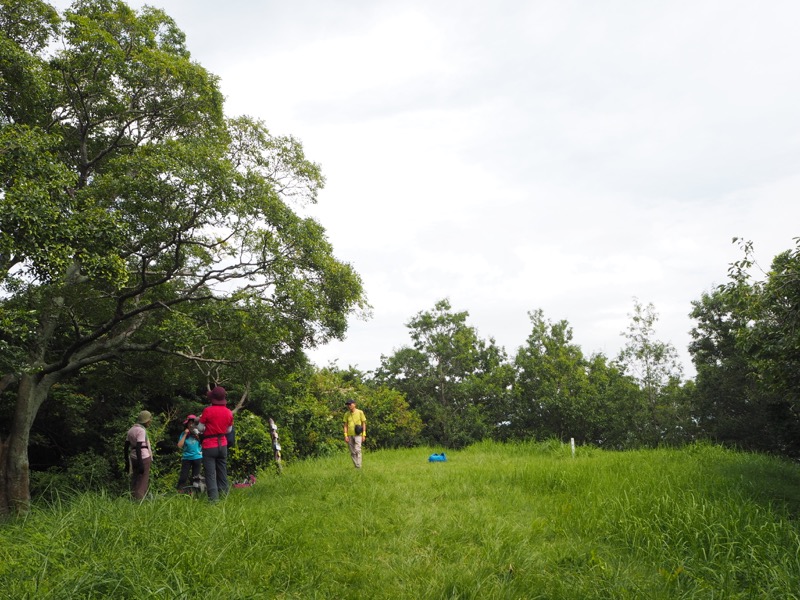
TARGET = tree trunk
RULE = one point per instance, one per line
(15, 494)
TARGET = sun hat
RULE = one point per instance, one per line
(190, 418)
(144, 417)
(218, 395)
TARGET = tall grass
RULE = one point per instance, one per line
(494, 521)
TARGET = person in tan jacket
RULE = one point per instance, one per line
(140, 455)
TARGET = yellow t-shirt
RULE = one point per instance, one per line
(354, 418)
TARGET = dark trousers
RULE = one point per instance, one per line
(215, 463)
(140, 481)
(186, 466)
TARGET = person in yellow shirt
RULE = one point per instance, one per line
(355, 431)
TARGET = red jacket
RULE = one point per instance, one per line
(217, 419)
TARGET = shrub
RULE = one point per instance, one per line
(252, 449)
(84, 472)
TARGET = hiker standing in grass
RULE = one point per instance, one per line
(355, 431)
(189, 442)
(140, 455)
(215, 422)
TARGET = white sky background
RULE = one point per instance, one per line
(514, 155)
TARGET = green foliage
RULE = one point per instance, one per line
(465, 390)
(391, 423)
(135, 218)
(308, 407)
(552, 386)
(306, 422)
(615, 407)
(451, 377)
(654, 365)
(651, 362)
(745, 347)
(558, 393)
(86, 472)
(34, 201)
(26, 27)
(252, 450)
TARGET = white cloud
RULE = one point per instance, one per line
(517, 155)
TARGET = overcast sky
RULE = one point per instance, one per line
(516, 155)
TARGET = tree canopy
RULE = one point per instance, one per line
(453, 378)
(136, 217)
(746, 348)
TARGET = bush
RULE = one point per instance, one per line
(252, 449)
(84, 472)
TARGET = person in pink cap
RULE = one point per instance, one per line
(215, 422)
(189, 442)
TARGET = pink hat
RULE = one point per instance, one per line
(190, 418)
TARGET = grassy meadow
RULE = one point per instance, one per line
(494, 521)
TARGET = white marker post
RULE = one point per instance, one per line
(276, 445)
(572, 446)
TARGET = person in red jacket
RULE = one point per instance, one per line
(216, 422)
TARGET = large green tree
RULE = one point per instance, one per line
(455, 380)
(560, 393)
(135, 217)
(614, 403)
(727, 403)
(551, 393)
(746, 348)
